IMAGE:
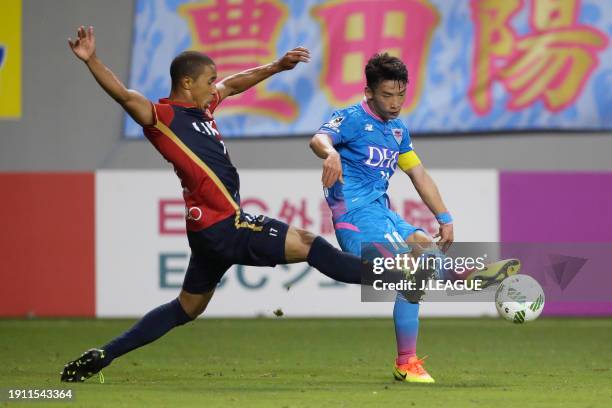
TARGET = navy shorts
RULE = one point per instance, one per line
(248, 240)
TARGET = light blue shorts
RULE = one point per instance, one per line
(371, 223)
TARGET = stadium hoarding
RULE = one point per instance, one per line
(47, 245)
(474, 66)
(10, 60)
(142, 251)
(552, 208)
(135, 255)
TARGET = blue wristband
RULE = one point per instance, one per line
(444, 218)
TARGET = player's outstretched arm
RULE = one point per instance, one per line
(322, 146)
(429, 193)
(135, 104)
(240, 82)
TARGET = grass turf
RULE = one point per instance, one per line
(321, 363)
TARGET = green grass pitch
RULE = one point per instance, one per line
(321, 363)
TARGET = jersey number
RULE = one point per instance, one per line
(396, 240)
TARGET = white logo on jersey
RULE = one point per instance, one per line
(193, 213)
(368, 127)
(334, 124)
(382, 157)
(206, 128)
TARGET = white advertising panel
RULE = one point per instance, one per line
(142, 250)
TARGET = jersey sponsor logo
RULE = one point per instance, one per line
(206, 128)
(397, 134)
(368, 127)
(382, 157)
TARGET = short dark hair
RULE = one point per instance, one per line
(188, 63)
(384, 67)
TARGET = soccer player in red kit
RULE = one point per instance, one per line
(182, 128)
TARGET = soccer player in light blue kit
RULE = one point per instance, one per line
(362, 146)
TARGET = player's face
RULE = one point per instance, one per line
(387, 98)
(203, 88)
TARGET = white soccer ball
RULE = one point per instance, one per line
(519, 299)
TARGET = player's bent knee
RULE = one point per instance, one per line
(420, 237)
(421, 243)
(306, 237)
(297, 244)
(194, 304)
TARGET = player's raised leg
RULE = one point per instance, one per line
(495, 272)
(344, 267)
(301, 245)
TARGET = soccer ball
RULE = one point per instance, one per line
(519, 298)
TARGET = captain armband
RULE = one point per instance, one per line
(408, 160)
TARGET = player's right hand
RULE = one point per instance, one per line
(84, 47)
(332, 170)
(293, 57)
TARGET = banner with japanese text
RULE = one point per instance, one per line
(142, 250)
(474, 65)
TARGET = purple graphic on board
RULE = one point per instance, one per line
(563, 207)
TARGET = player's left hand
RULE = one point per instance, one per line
(446, 235)
(84, 47)
(293, 57)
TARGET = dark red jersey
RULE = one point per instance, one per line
(189, 139)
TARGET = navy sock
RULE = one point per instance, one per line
(152, 326)
(338, 265)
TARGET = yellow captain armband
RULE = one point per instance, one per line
(408, 160)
